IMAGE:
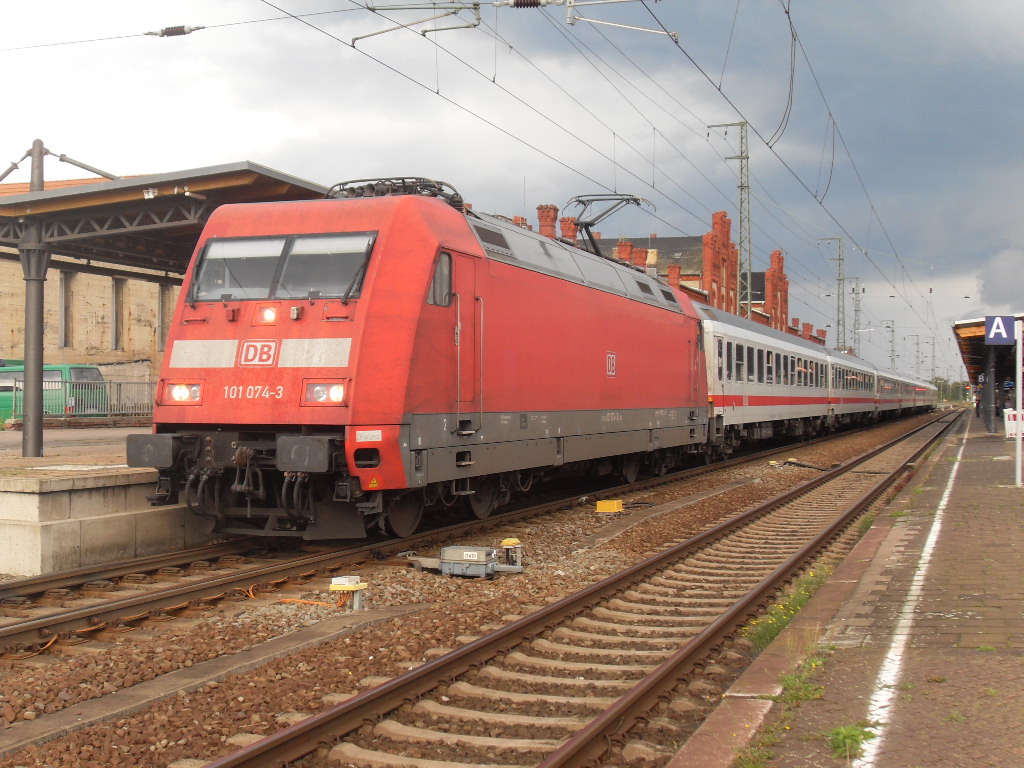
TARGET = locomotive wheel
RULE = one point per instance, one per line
(404, 514)
(630, 469)
(483, 502)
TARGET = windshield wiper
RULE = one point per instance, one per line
(355, 278)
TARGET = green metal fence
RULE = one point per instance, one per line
(71, 399)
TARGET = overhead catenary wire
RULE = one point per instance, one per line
(831, 215)
(661, 140)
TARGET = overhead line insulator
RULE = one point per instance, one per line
(175, 31)
(527, 3)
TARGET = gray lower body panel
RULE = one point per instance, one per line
(504, 442)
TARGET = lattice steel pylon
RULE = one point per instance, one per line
(744, 212)
(840, 295)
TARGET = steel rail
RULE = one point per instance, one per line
(366, 708)
(34, 585)
(592, 742)
(151, 601)
(113, 571)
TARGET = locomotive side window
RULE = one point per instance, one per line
(440, 293)
(721, 362)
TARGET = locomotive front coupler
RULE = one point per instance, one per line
(248, 476)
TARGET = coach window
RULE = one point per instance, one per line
(750, 364)
(760, 366)
(721, 363)
(728, 360)
(440, 293)
(792, 371)
(740, 356)
(769, 368)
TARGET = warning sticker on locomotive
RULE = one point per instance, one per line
(369, 435)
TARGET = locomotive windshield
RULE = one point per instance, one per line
(292, 267)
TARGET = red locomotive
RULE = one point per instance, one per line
(344, 364)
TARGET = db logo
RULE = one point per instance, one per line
(610, 364)
(258, 352)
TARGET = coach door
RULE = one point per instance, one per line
(469, 319)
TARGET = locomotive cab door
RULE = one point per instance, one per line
(469, 313)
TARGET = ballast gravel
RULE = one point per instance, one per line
(198, 724)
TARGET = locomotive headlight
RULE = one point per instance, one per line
(183, 392)
(264, 315)
(325, 393)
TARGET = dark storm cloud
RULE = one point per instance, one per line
(927, 96)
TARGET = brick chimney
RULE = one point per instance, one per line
(520, 221)
(807, 328)
(547, 215)
(674, 271)
(569, 228)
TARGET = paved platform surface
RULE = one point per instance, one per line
(75, 447)
(922, 630)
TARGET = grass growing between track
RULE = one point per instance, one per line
(762, 630)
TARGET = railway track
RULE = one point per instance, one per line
(38, 611)
(568, 684)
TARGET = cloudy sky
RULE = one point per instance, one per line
(895, 126)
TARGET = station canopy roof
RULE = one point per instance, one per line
(970, 339)
(147, 222)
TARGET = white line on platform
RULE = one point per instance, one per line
(880, 706)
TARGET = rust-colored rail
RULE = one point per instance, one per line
(21, 596)
(593, 741)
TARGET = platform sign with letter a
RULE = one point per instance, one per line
(1000, 329)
